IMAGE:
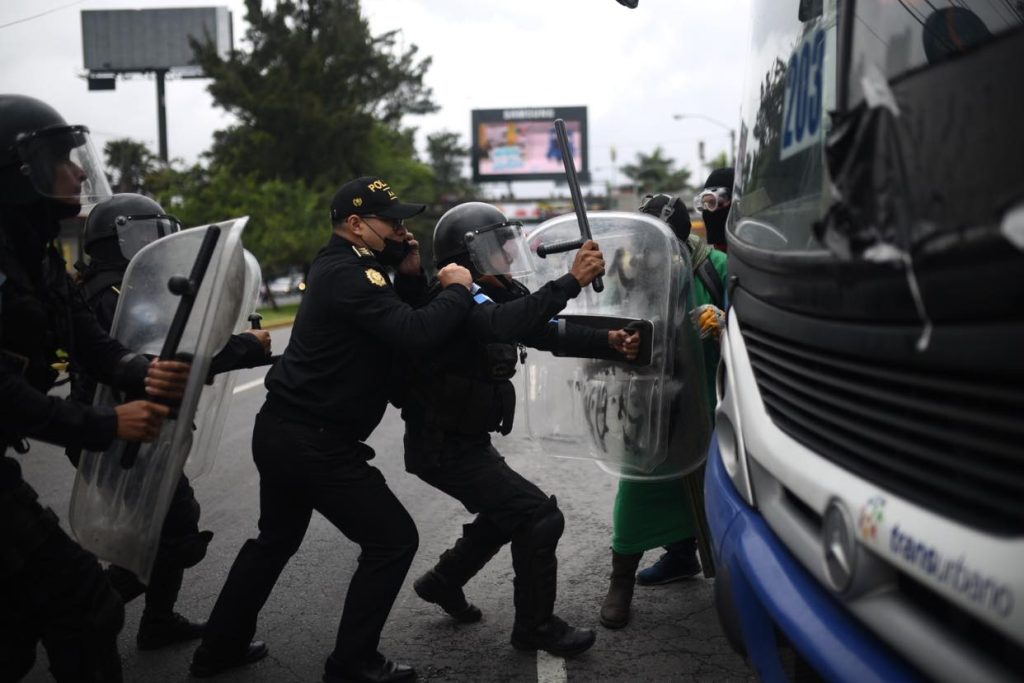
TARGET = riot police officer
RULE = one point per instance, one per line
(52, 590)
(325, 397)
(115, 231)
(459, 396)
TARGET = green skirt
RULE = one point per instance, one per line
(650, 515)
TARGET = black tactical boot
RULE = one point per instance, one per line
(207, 663)
(166, 629)
(433, 588)
(443, 584)
(554, 636)
(615, 609)
(378, 669)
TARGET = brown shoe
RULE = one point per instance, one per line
(615, 609)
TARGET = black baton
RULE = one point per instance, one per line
(577, 197)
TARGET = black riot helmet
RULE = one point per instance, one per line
(479, 236)
(117, 229)
(42, 157)
(450, 231)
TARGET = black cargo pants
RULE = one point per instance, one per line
(302, 469)
(508, 508)
(51, 590)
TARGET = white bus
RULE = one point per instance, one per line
(865, 488)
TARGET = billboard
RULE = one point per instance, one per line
(520, 143)
(119, 41)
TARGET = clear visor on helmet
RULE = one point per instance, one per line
(499, 249)
(712, 199)
(62, 164)
(135, 232)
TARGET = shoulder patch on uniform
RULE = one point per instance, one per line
(362, 252)
(375, 277)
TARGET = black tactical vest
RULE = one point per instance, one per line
(465, 388)
(35, 315)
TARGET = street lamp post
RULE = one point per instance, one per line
(732, 131)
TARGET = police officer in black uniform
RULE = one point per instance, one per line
(115, 231)
(50, 589)
(461, 395)
(325, 396)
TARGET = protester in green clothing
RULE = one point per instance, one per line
(648, 515)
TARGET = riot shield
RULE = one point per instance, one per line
(216, 398)
(117, 511)
(645, 421)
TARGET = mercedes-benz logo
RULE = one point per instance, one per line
(840, 546)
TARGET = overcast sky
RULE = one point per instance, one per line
(633, 69)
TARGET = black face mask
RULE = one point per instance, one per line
(393, 252)
(714, 223)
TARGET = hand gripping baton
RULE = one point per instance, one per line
(577, 204)
(256, 321)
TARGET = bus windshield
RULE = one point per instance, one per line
(896, 37)
(782, 185)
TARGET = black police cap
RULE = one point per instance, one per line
(370, 196)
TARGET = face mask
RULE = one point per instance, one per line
(393, 253)
(714, 223)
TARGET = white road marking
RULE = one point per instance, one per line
(550, 669)
(249, 385)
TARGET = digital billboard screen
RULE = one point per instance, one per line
(520, 144)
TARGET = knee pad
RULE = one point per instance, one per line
(125, 583)
(186, 551)
(545, 527)
(183, 514)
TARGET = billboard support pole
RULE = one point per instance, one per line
(161, 113)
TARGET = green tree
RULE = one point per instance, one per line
(288, 220)
(655, 172)
(129, 163)
(317, 96)
(447, 156)
(720, 160)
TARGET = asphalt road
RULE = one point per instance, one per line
(674, 634)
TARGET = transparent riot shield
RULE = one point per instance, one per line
(648, 420)
(117, 511)
(215, 401)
